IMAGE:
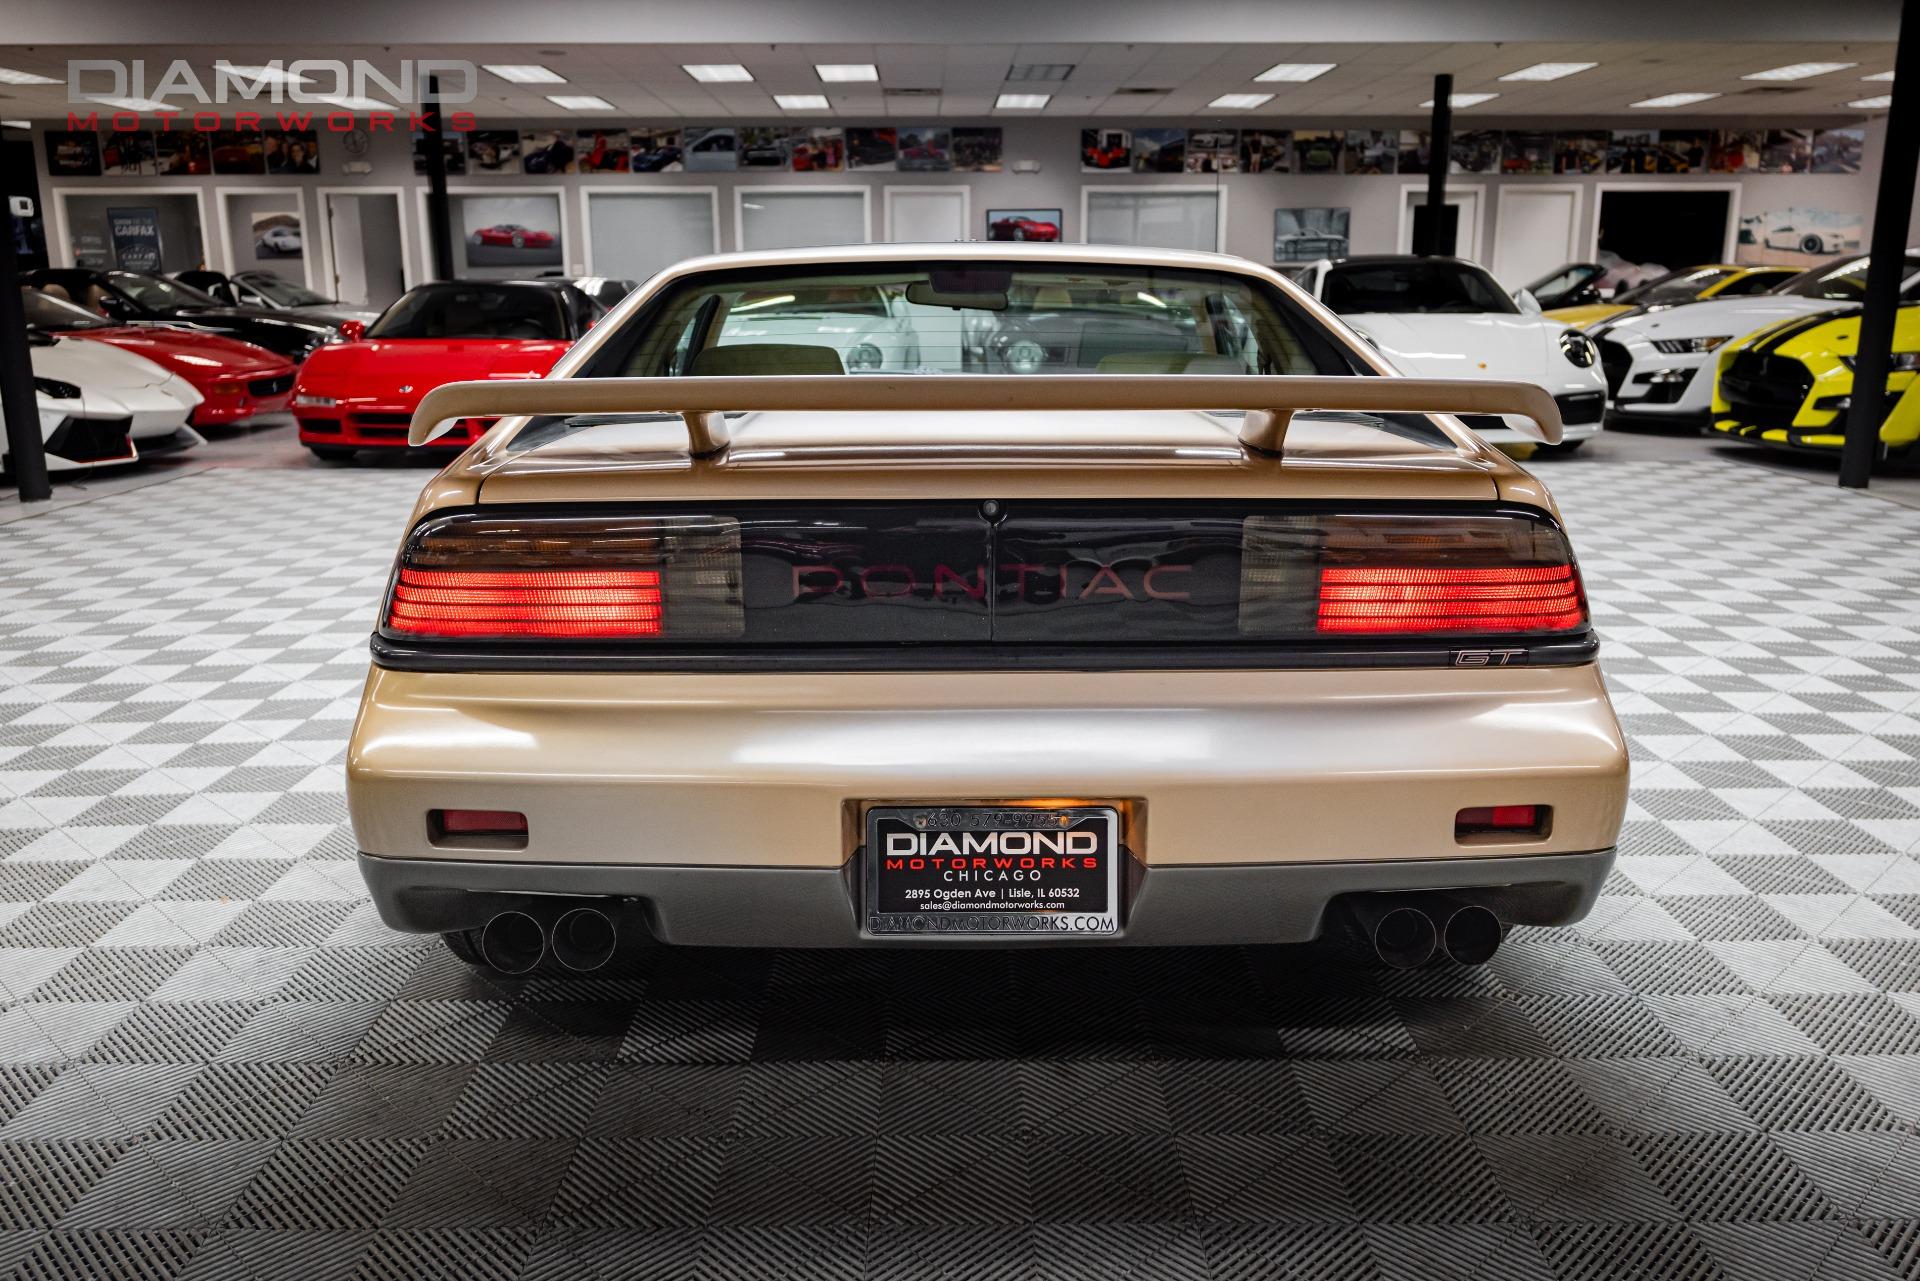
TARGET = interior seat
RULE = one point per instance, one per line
(52, 290)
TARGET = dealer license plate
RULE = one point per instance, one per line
(975, 870)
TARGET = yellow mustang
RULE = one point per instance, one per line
(1791, 384)
(1692, 284)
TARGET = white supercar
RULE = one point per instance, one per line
(98, 404)
(1437, 317)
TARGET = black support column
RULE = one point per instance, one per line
(1439, 238)
(439, 213)
(26, 450)
(1892, 209)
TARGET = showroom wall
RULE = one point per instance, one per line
(1377, 202)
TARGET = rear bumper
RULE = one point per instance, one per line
(230, 411)
(820, 907)
(688, 790)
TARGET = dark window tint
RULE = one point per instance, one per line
(1846, 281)
(474, 311)
(1413, 285)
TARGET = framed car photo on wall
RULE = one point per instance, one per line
(1024, 224)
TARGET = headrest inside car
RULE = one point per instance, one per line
(765, 359)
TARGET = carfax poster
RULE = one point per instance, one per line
(136, 238)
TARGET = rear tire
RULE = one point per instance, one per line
(332, 453)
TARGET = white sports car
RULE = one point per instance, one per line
(863, 327)
(1447, 318)
(1659, 364)
(97, 402)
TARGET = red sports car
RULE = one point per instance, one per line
(1023, 229)
(361, 394)
(237, 381)
(510, 234)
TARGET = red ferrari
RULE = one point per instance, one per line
(512, 235)
(237, 381)
(361, 394)
(1023, 228)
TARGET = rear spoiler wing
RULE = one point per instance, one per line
(1269, 400)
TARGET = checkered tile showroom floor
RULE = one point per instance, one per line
(216, 1062)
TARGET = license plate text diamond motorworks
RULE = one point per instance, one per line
(976, 870)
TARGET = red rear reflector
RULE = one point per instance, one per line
(551, 602)
(480, 822)
(1500, 818)
(1518, 598)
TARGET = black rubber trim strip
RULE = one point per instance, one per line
(1164, 904)
(1502, 651)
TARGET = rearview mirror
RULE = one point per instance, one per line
(925, 295)
(973, 288)
(353, 330)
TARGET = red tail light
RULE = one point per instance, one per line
(480, 822)
(597, 602)
(1514, 598)
(1502, 820)
(615, 578)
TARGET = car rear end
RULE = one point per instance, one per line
(954, 677)
(240, 396)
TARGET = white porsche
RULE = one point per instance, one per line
(1439, 317)
(99, 405)
(1659, 364)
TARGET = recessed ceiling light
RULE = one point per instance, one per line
(347, 102)
(15, 124)
(1673, 100)
(1874, 103)
(1799, 70)
(713, 73)
(1550, 70)
(133, 104)
(1464, 99)
(1879, 75)
(1295, 72)
(801, 101)
(579, 102)
(8, 76)
(846, 73)
(526, 73)
(1040, 71)
(1241, 101)
(1022, 101)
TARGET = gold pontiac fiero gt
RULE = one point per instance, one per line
(981, 594)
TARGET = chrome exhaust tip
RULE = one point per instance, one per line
(512, 943)
(1472, 935)
(584, 939)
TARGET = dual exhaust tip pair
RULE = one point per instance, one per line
(582, 939)
(1407, 932)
